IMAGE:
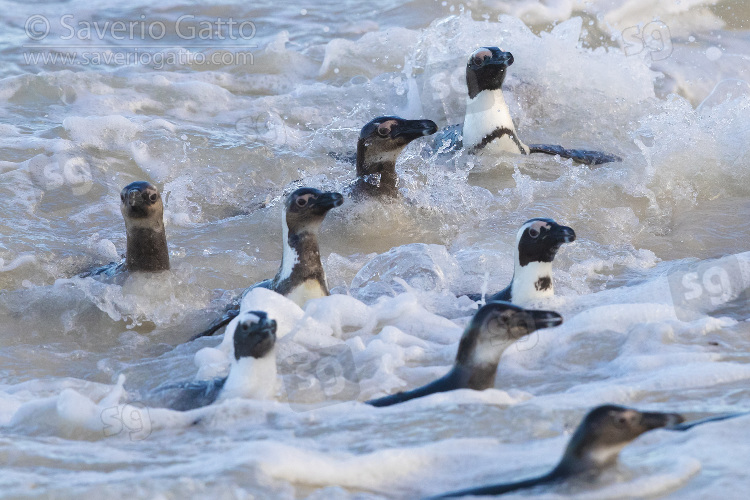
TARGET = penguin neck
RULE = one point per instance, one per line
(488, 125)
(251, 378)
(300, 260)
(376, 172)
(531, 282)
(147, 248)
(477, 360)
(579, 461)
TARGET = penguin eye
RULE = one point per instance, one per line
(153, 197)
(533, 232)
(384, 131)
(301, 202)
(479, 56)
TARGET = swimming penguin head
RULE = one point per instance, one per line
(141, 201)
(538, 240)
(305, 209)
(382, 139)
(494, 327)
(254, 335)
(486, 69)
(605, 431)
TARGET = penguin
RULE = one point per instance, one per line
(380, 142)
(142, 208)
(493, 328)
(595, 445)
(251, 375)
(488, 127)
(301, 276)
(537, 243)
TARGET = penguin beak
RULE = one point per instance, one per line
(135, 197)
(504, 59)
(563, 234)
(543, 319)
(414, 129)
(327, 201)
(656, 420)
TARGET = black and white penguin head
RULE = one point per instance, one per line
(254, 335)
(383, 138)
(305, 209)
(141, 200)
(486, 69)
(497, 325)
(605, 430)
(539, 239)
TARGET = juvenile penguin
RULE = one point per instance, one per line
(251, 375)
(488, 127)
(493, 328)
(537, 243)
(380, 142)
(142, 208)
(301, 276)
(594, 446)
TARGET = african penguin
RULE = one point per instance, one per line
(251, 375)
(380, 142)
(537, 243)
(142, 208)
(594, 446)
(493, 328)
(301, 276)
(488, 127)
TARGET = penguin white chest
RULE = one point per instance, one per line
(486, 114)
(308, 290)
(532, 282)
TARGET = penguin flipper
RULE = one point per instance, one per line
(348, 157)
(499, 489)
(195, 394)
(717, 418)
(503, 295)
(109, 270)
(585, 156)
(230, 313)
(446, 383)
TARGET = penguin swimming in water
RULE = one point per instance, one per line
(537, 243)
(301, 276)
(493, 328)
(142, 208)
(488, 126)
(380, 142)
(595, 445)
(251, 375)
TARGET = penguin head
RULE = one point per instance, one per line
(383, 138)
(141, 200)
(539, 239)
(497, 325)
(486, 69)
(306, 208)
(605, 430)
(254, 335)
